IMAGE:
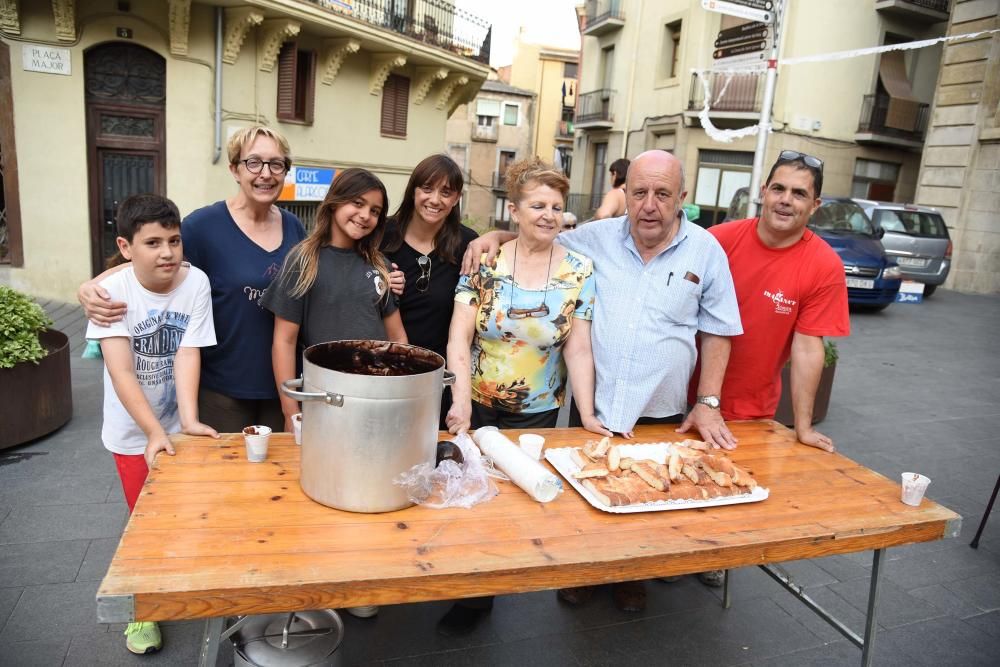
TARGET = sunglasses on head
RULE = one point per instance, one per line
(571, 225)
(808, 160)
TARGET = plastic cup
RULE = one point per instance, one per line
(531, 444)
(256, 438)
(297, 427)
(914, 485)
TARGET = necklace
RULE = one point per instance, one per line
(540, 310)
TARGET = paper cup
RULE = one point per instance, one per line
(532, 444)
(256, 438)
(914, 485)
(297, 427)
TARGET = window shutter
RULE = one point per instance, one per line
(287, 71)
(395, 105)
(309, 81)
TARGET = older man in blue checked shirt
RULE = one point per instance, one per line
(660, 281)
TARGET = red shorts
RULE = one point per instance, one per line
(132, 471)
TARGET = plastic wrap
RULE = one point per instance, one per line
(450, 484)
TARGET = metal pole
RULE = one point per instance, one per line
(764, 126)
(868, 650)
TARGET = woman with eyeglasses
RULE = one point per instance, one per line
(425, 239)
(517, 327)
(241, 243)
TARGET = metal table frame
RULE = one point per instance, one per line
(216, 630)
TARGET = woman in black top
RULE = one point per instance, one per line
(426, 240)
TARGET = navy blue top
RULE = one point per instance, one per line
(239, 270)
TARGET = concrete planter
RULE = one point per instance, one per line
(786, 416)
(36, 399)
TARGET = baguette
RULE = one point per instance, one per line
(592, 469)
(614, 458)
(649, 473)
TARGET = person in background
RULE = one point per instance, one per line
(240, 243)
(613, 205)
(426, 240)
(517, 328)
(151, 355)
(569, 220)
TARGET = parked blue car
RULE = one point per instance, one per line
(873, 280)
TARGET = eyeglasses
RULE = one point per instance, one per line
(540, 310)
(424, 281)
(809, 160)
(255, 165)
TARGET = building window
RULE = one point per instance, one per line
(487, 112)
(600, 171)
(720, 175)
(608, 67)
(510, 114)
(395, 105)
(671, 61)
(296, 84)
(570, 70)
(10, 212)
(485, 121)
(502, 213)
(874, 180)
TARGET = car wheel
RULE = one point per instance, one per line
(929, 290)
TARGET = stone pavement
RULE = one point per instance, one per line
(917, 388)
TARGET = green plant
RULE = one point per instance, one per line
(20, 321)
(831, 355)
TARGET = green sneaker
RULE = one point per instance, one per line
(143, 637)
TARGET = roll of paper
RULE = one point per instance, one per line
(524, 471)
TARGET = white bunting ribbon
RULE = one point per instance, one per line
(729, 136)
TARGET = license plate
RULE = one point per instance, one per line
(863, 283)
(917, 262)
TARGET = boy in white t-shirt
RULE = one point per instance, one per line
(151, 357)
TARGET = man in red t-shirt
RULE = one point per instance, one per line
(791, 292)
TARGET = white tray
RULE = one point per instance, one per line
(562, 460)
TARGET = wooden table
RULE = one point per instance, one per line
(214, 536)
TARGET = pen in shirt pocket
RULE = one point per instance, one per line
(669, 276)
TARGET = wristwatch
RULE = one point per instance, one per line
(710, 400)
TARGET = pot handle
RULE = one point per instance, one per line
(449, 378)
(288, 387)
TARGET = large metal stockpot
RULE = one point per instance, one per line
(370, 411)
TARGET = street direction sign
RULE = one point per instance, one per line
(741, 49)
(747, 32)
(755, 10)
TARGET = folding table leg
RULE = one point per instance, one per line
(870, 626)
(726, 599)
(986, 515)
(210, 642)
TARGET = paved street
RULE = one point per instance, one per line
(917, 388)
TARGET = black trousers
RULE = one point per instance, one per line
(484, 416)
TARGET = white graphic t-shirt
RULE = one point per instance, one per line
(157, 325)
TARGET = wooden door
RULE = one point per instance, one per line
(126, 92)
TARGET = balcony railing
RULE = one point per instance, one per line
(596, 107)
(435, 22)
(924, 11)
(603, 16)
(729, 92)
(486, 132)
(499, 180)
(564, 130)
(582, 205)
(907, 122)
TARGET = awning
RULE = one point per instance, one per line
(903, 106)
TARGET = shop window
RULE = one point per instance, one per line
(395, 106)
(10, 213)
(874, 180)
(296, 84)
